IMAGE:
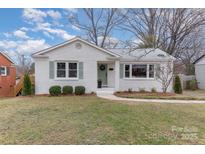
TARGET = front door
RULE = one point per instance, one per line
(102, 74)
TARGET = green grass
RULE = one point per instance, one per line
(91, 120)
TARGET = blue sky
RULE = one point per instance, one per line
(29, 30)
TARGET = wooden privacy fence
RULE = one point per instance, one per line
(19, 85)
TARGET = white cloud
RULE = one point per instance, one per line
(23, 47)
(75, 28)
(20, 34)
(54, 14)
(72, 10)
(46, 29)
(48, 35)
(35, 15)
(24, 29)
(7, 35)
(38, 15)
(110, 42)
(5, 44)
(30, 46)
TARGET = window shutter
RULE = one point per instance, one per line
(7, 70)
(121, 70)
(80, 70)
(51, 70)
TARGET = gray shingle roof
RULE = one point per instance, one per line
(143, 54)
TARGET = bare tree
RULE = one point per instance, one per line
(168, 28)
(24, 63)
(192, 49)
(98, 24)
(164, 75)
(145, 24)
(175, 31)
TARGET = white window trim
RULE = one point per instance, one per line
(5, 74)
(67, 70)
(137, 78)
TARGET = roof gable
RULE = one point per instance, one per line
(7, 57)
(40, 53)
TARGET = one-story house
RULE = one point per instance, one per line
(79, 62)
(200, 71)
(7, 75)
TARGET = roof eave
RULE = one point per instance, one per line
(196, 61)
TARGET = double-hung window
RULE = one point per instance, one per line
(66, 70)
(72, 70)
(140, 71)
(61, 70)
(3, 71)
(127, 71)
(151, 71)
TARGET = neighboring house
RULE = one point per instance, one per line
(78, 62)
(200, 71)
(7, 75)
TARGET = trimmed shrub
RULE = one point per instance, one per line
(79, 90)
(27, 87)
(153, 90)
(67, 90)
(177, 85)
(55, 90)
(193, 84)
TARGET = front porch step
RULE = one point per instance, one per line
(101, 91)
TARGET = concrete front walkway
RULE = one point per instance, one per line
(110, 96)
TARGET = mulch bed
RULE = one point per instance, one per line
(160, 94)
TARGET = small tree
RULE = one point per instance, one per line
(27, 87)
(164, 75)
(177, 85)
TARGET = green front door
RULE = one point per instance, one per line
(102, 74)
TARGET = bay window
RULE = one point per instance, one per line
(140, 71)
(67, 70)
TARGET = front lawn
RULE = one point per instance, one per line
(187, 95)
(91, 120)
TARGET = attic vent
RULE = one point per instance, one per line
(161, 55)
(78, 45)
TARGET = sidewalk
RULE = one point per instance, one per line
(115, 98)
